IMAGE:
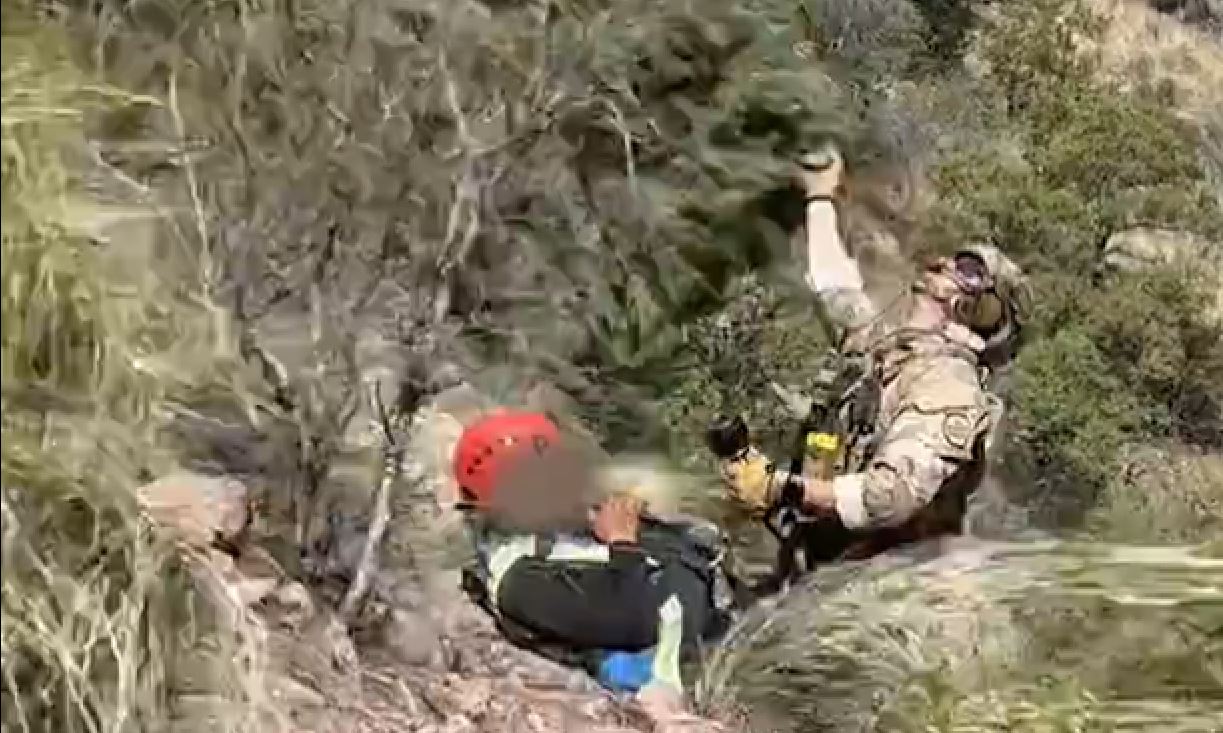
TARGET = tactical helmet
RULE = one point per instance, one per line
(487, 449)
(999, 301)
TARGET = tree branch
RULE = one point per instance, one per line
(381, 509)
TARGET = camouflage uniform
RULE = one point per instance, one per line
(911, 478)
(910, 475)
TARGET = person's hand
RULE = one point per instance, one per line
(749, 480)
(818, 495)
(820, 170)
(618, 519)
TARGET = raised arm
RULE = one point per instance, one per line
(831, 273)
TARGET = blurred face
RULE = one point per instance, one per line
(549, 491)
(937, 280)
(946, 279)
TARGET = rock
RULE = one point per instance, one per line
(413, 638)
(337, 551)
(662, 704)
(193, 710)
(249, 591)
(1141, 248)
(460, 696)
(198, 509)
(1207, 14)
(335, 639)
(462, 402)
(290, 692)
(279, 549)
(1167, 495)
(296, 606)
(256, 562)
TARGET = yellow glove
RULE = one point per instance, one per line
(749, 479)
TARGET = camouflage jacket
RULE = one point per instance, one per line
(911, 475)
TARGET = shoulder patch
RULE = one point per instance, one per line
(957, 429)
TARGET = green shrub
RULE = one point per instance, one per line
(1075, 413)
(733, 358)
(1069, 158)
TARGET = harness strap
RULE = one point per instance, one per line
(670, 634)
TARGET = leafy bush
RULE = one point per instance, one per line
(1073, 421)
(1109, 361)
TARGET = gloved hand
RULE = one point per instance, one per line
(749, 480)
(819, 171)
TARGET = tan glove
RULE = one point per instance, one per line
(749, 480)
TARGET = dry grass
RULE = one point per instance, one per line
(988, 638)
(1138, 42)
(103, 627)
(1165, 495)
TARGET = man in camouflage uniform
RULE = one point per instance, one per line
(909, 477)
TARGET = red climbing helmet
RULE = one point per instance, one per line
(488, 447)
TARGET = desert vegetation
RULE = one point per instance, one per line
(254, 238)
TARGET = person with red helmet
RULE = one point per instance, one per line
(584, 579)
(488, 448)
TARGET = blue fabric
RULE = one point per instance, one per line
(626, 671)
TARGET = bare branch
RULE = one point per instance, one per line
(465, 205)
(381, 510)
(272, 369)
(630, 167)
(193, 186)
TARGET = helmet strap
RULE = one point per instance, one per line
(999, 346)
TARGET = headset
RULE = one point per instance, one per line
(979, 305)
